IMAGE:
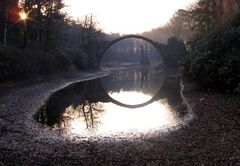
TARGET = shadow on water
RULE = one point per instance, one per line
(125, 102)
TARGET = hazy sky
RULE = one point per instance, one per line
(127, 16)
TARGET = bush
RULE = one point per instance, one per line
(4, 58)
(10, 64)
(236, 20)
(175, 52)
(16, 65)
(58, 60)
(80, 58)
(215, 58)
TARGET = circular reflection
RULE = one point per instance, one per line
(130, 97)
(136, 65)
(147, 81)
(85, 109)
(108, 119)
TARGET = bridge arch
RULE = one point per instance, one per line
(158, 46)
(154, 98)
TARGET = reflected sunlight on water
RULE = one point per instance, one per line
(130, 97)
(106, 119)
(125, 104)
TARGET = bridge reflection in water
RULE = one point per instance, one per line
(123, 103)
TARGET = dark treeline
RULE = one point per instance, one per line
(192, 23)
(48, 40)
(211, 31)
(146, 81)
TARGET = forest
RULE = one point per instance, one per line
(210, 30)
(49, 40)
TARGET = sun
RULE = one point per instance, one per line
(23, 15)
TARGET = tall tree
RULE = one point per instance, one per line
(8, 16)
(5, 23)
(89, 30)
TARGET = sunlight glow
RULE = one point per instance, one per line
(127, 16)
(23, 15)
(114, 120)
(131, 98)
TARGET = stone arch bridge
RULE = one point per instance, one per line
(100, 48)
(160, 47)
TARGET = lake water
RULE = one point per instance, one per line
(126, 103)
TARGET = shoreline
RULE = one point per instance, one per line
(210, 138)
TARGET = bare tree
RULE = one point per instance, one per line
(89, 30)
(48, 25)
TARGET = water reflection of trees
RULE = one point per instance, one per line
(87, 112)
(145, 78)
(79, 100)
(83, 100)
(146, 81)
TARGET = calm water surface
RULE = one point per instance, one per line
(124, 103)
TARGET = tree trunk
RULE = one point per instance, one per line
(208, 15)
(6, 24)
(25, 39)
(84, 28)
(48, 26)
(38, 24)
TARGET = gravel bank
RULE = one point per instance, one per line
(212, 138)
